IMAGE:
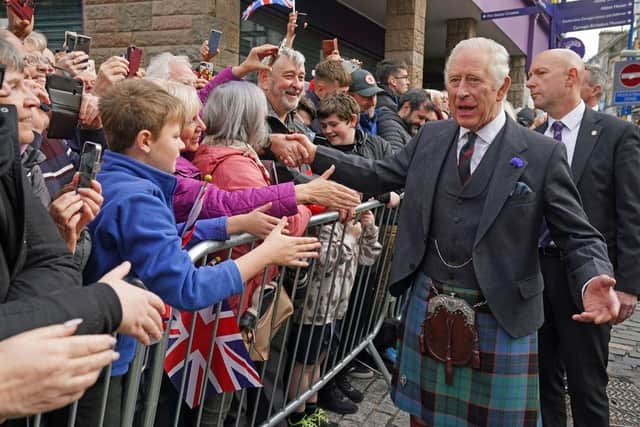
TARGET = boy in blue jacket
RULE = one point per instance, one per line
(142, 124)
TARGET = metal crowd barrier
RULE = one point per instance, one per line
(369, 305)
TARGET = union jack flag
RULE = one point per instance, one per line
(231, 368)
(257, 4)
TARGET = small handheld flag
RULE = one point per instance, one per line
(257, 4)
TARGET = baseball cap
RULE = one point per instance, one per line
(363, 83)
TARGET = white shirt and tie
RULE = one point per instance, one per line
(484, 138)
(572, 122)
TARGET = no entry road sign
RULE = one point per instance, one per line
(630, 75)
(626, 88)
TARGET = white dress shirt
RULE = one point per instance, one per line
(485, 137)
(570, 130)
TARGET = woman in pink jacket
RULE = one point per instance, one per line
(235, 130)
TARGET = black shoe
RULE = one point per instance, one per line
(333, 399)
(360, 371)
(345, 386)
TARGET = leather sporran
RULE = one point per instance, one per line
(449, 333)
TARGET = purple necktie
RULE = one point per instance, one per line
(557, 127)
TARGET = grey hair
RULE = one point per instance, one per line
(185, 93)
(499, 57)
(597, 75)
(292, 55)
(10, 57)
(236, 111)
(159, 65)
(35, 41)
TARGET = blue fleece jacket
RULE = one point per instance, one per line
(136, 224)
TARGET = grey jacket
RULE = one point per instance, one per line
(505, 252)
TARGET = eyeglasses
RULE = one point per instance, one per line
(402, 77)
(34, 59)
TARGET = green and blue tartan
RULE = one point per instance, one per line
(503, 392)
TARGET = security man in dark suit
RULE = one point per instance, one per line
(476, 191)
(604, 154)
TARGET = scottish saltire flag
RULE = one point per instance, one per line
(231, 368)
(257, 4)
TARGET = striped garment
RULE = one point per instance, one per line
(63, 157)
(503, 392)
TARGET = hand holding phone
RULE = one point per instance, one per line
(134, 56)
(330, 47)
(23, 9)
(89, 163)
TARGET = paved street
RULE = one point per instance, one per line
(624, 387)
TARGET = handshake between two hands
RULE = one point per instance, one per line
(293, 149)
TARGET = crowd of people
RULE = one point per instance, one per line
(526, 220)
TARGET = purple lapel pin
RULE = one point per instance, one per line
(516, 162)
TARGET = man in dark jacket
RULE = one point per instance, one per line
(393, 77)
(415, 110)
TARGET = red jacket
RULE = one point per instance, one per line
(234, 169)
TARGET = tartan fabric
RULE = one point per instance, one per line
(503, 392)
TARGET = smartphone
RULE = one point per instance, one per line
(89, 163)
(82, 43)
(24, 9)
(303, 20)
(134, 56)
(205, 70)
(214, 40)
(66, 96)
(329, 46)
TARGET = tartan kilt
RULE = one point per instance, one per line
(503, 392)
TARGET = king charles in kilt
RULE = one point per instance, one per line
(476, 191)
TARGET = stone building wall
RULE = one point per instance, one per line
(162, 25)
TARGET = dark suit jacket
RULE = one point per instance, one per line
(505, 253)
(606, 170)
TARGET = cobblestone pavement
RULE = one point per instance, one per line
(624, 387)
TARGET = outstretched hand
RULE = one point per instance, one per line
(327, 193)
(290, 251)
(601, 304)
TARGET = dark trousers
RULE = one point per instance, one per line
(580, 350)
(89, 406)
